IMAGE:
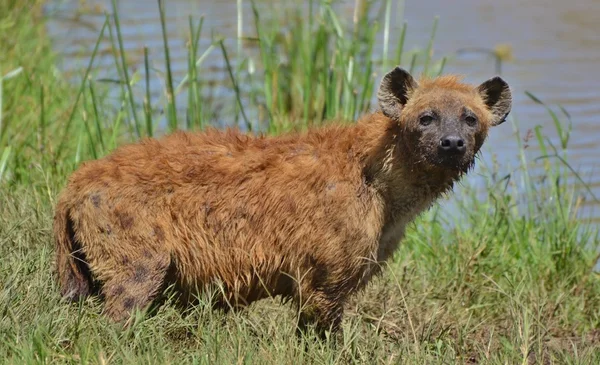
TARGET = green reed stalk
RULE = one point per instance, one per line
(386, 34)
(121, 76)
(413, 63)
(148, 98)
(67, 128)
(3, 78)
(308, 64)
(125, 68)
(429, 51)
(194, 102)
(235, 86)
(43, 122)
(99, 132)
(265, 53)
(400, 47)
(86, 128)
(171, 107)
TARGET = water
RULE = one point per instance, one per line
(555, 44)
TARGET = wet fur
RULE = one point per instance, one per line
(308, 216)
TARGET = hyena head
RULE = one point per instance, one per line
(443, 122)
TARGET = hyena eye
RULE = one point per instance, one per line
(471, 120)
(426, 120)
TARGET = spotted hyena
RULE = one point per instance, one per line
(307, 216)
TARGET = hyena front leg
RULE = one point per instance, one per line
(134, 285)
(320, 311)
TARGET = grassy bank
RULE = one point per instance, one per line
(511, 282)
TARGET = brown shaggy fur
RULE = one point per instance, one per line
(306, 216)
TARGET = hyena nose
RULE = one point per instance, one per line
(452, 144)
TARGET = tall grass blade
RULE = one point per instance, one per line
(88, 132)
(8, 76)
(196, 94)
(126, 69)
(197, 64)
(13, 73)
(4, 160)
(563, 134)
(148, 97)
(442, 65)
(235, 86)
(116, 126)
(386, 35)
(121, 76)
(42, 127)
(67, 126)
(265, 44)
(413, 63)
(1, 107)
(429, 51)
(400, 47)
(171, 107)
(240, 27)
(335, 21)
(99, 129)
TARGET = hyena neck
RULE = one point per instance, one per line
(406, 186)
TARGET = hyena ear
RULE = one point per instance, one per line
(393, 93)
(496, 95)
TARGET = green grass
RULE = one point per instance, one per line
(512, 282)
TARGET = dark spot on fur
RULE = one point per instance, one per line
(147, 254)
(95, 198)
(241, 213)
(125, 260)
(140, 274)
(125, 220)
(158, 232)
(106, 230)
(337, 227)
(331, 186)
(128, 303)
(191, 173)
(117, 290)
(290, 203)
(170, 190)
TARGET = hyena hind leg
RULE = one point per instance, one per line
(134, 286)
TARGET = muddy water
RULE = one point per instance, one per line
(555, 48)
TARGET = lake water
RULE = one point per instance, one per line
(555, 47)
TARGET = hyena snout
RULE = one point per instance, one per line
(451, 145)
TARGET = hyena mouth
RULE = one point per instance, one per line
(460, 163)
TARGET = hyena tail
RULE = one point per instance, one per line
(72, 269)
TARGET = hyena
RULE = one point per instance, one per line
(306, 216)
